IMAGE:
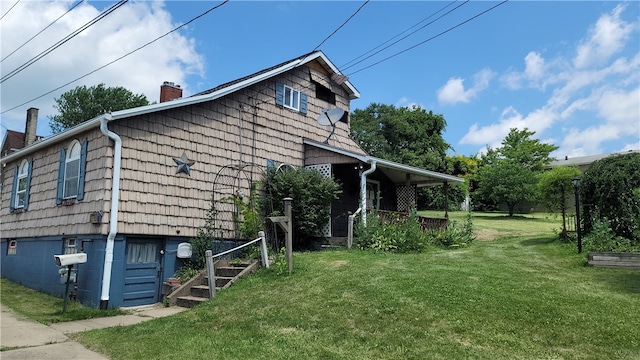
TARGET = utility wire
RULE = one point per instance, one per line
(61, 42)
(8, 11)
(414, 25)
(340, 27)
(121, 57)
(429, 39)
(40, 32)
(406, 36)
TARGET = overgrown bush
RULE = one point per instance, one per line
(610, 191)
(601, 238)
(406, 235)
(202, 242)
(312, 194)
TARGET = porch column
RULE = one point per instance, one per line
(446, 200)
(408, 185)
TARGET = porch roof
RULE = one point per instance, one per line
(395, 171)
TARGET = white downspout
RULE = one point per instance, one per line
(363, 190)
(113, 214)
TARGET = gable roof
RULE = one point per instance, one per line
(13, 140)
(393, 170)
(205, 96)
(586, 160)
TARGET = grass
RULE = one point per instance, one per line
(515, 297)
(45, 308)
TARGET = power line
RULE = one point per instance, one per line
(340, 27)
(344, 67)
(40, 32)
(8, 11)
(121, 57)
(64, 40)
(429, 39)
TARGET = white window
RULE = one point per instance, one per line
(70, 246)
(72, 171)
(21, 189)
(291, 98)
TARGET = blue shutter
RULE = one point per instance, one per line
(26, 193)
(280, 94)
(63, 158)
(303, 103)
(14, 188)
(83, 166)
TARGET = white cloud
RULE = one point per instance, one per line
(595, 86)
(454, 92)
(405, 102)
(607, 37)
(172, 58)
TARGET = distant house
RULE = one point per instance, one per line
(583, 162)
(128, 187)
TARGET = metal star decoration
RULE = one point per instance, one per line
(184, 164)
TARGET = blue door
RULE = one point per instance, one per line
(143, 269)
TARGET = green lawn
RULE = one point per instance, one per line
(45, 308)
(520, 296)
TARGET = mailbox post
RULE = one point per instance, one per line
(69, 260)
(286, 224)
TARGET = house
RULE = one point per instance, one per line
(128, 187)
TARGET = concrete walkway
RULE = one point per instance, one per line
(28, 339)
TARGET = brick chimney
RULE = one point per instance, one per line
(170, 91)
(30, 127)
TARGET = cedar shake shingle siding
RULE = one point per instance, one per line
(245, 126)
(44, 217)
(229, 130)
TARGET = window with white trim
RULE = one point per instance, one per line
(12, 247)
(72, 171)
(70, 246)
(291, 98)
(21, 189)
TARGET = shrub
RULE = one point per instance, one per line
(312, 194)
(610, 191)
(406, 235)
(603, 239)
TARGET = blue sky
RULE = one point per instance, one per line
(570, 71)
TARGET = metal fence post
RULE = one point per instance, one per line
(211, 274)
(263, 249)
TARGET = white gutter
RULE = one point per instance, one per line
(363, 191)
(113, 213)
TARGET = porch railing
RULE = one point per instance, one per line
(426, 223)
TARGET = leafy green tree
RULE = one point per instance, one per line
(506, 182)
(406, 135)
(554, 186)
(312, 195)
(81, 104)
(508, 174)
(610, 192)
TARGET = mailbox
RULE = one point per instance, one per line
(71, 259)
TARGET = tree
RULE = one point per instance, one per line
(506, 182)
(81, 104)
(553, 188)
(508, 174)
(610, 191)
(409, 136)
